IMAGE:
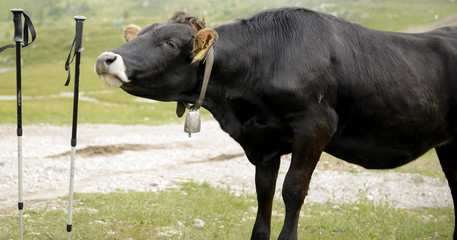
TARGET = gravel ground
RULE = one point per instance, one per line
(150, 158)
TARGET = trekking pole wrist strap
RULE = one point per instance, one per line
(21, 36)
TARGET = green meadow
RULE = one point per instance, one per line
(171, 214)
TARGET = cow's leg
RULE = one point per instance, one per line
(265, 183)
(310, 139)
(295, 189)
(448, 159)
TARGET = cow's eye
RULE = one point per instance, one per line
(172, 44)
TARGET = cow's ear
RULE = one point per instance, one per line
(204, 40)
(130, 32)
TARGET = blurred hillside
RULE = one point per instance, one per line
(106, 18)
(219, 11)
(43, 61)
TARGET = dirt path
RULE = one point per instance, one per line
(2, 69)
(149, 158)
(447, 21)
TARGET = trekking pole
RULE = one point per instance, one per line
(77, 52)
(18, 39)
(22, 40)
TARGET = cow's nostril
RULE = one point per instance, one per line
(110, 60)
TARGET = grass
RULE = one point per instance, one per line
(392, 15)
(170, 214)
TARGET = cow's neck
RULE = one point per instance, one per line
(230, 94)
(228, 90)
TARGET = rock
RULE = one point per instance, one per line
(198, 223)
(180, 224)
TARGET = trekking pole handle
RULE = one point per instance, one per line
(79, 33)
(17, 14)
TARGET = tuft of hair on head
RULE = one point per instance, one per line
(183, 17)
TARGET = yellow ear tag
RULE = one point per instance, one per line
(201, 53)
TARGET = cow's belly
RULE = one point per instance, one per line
(385, 150)
(371, 156)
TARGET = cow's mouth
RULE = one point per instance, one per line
(110, 68)
(110, 79)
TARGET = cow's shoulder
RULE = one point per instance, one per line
(261, 132)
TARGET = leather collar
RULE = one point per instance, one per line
(181, 107)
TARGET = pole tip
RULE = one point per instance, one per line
(80, 18)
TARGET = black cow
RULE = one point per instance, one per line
(297, 81)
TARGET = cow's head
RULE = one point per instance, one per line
(161, 61)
